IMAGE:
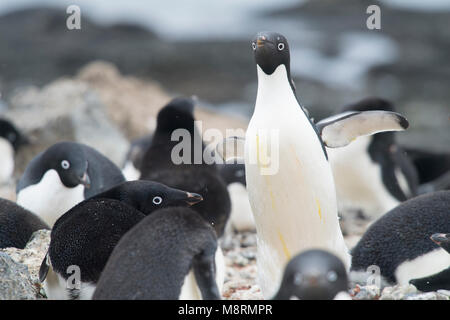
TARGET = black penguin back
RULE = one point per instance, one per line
(17, 225)
(153, 258)
(403, 234)
(86, 235)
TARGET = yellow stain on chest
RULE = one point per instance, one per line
(272, 198)
(319, 210)
(283, 243)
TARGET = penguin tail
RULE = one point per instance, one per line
(43, 270)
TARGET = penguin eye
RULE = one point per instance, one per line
(298, 279)
(332, 276)
(254, 45)
(65, 164)
(157, 200)
(281, 46)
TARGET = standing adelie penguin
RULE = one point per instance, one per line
(133, 161)
(241, 217)
(169, 255)
(372, 174)
(441, 280)
(62, 176)
(10, 140)
(86, 235)
(17, 225)
(289, 179)
(313, 275)
(399, 242)
(185, 168)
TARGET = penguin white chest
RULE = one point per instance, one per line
(6, 160)
(50, 198)
(289, 181)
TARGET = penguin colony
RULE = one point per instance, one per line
(158, 235)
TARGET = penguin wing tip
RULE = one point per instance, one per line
(43, 270)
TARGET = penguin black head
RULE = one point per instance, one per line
(313, 275)
(70, 161)
(148, 196)
(370, 104)
(271, 49)
(9, 132)
(442, 240)
(178, 113)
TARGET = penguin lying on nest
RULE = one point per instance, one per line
(169, 255)
(441, 280)
(314, 275)
(86, 235)
(17, 225)
(399, 242)
(62, 176)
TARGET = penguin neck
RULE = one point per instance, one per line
(275, 89)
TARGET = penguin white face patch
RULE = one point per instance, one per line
(157, 200)
(50, 198)
(65, 164)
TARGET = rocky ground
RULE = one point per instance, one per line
(19, 273)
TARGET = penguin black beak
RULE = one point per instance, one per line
(439, 238)
(85, 181)
(260, 42)
(193, 198)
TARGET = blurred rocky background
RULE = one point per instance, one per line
(335, 58)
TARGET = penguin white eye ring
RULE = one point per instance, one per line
(254, 45)
(281, 46)
(332, 276)
(157, 200)
(65, 164)
(298, 279)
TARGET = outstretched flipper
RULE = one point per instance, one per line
(43, 270)
(205, 274)
(339, 130)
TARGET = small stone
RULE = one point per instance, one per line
(370, 292)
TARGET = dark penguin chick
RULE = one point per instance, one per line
(241, 217)
(185, 168)
(17, 225)
(86, 235)
(441, 280)
(133, 161)
(399, 242)
(169, 255)
(372, 174)
(62, 176)
(313, 275)
(147, 196)
(10, 140)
